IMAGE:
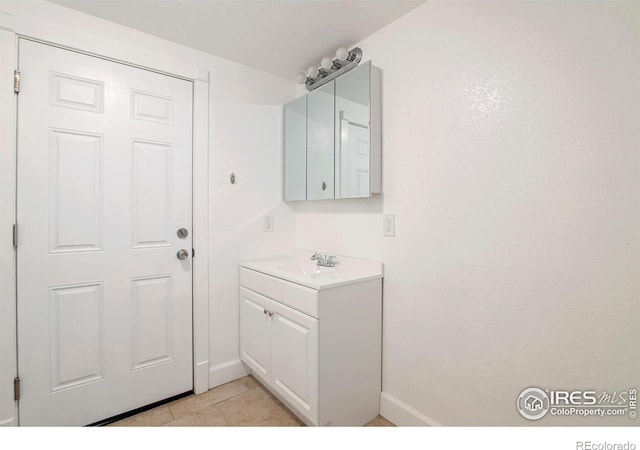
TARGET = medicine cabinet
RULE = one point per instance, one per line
(332, 139)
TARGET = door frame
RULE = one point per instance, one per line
(12, 29)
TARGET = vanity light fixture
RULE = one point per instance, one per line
(329, 68)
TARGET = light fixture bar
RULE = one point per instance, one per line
(337, 69)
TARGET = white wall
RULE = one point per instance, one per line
(510, 158)
(251, 148)
(349, 227)
(245, 110)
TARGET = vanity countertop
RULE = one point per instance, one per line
(300, 269)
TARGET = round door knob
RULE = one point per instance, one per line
(182, 254)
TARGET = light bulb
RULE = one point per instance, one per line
(301, 78)
(342, 54)
(312, 71)
(326, 63)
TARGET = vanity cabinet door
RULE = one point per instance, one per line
(294, 359)
(320, 143)
(280, 346)
(255, 333)
(295, 149)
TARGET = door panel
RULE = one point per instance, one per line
(70, 337)
(75, 191)
(152, 324)
(151, 181)
(76, 93)
(104, 182)
(151, 107)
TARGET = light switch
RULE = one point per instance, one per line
(389, 225)
(268, 223)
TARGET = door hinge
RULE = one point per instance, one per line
(193, 252)
(16, 81)
(15, 235)
(16, 388)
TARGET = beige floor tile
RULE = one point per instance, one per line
(380, 422)
(207, 417)
(152, 418)
(257, 408)
(194, 403)
(243, 402)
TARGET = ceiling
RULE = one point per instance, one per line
(280, 37)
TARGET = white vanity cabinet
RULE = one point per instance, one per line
(316, 347)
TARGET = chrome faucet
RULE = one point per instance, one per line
(325, 261)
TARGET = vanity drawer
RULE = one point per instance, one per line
(293, 295)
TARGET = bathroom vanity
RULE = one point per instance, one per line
(313, 335)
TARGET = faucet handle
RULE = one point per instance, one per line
(330, 260)
(316, 256)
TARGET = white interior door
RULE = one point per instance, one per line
(354, 150)
(104, 183)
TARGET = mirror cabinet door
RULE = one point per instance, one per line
(352, 133)
(295, 149)
(320, 142)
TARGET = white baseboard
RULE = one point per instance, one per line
(403, 415)
(225, 372)
(201, 377)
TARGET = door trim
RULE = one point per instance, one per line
(9, 38)
(8, 350)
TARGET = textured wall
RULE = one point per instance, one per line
(511, 140)
(511, 160)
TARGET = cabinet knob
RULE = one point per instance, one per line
(270, 313)
(324, 186)
(265, 310)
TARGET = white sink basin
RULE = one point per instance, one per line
(300, 269)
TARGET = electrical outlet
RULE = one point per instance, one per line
(389, 225)
(268, 223)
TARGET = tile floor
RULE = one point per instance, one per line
(243, 402)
